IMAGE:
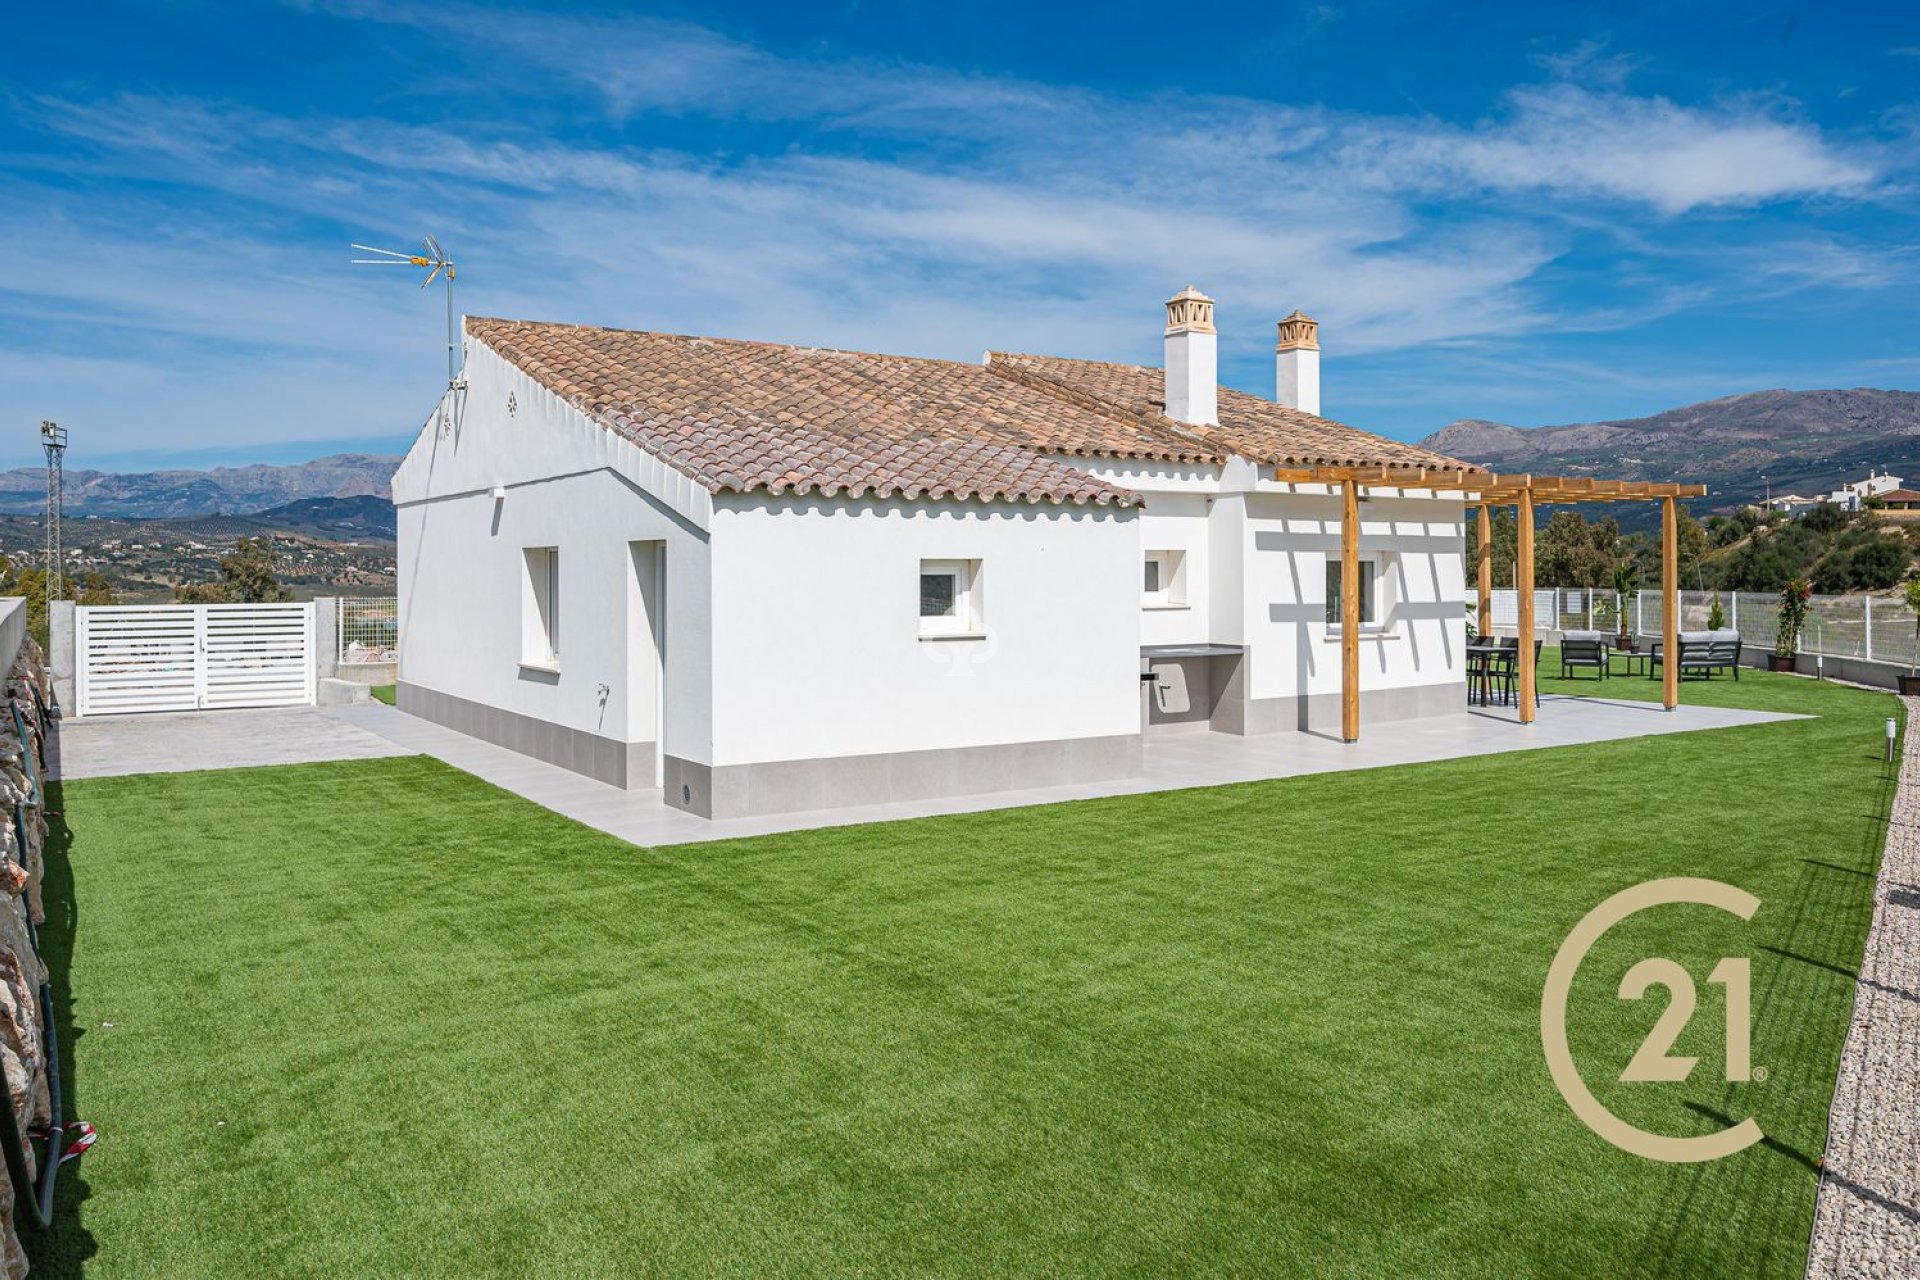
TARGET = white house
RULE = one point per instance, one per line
(769, 578)
(1853, 495)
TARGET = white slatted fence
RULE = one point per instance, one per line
(136, 658)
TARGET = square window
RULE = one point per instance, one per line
(1164, 581)
(949, 597)
(1369, 592)
(939, 594)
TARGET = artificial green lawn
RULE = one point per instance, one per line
(382, 693)
(378, 1018)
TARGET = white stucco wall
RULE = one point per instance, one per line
(1257, 552)
(1177, 522)
(506, 429)
(1290, 537)
(792, 628)
(817, 648)
(572, 485)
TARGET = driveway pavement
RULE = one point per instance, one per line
(103, 746)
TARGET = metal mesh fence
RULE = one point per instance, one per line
(1894, 638)
(1876, 629)
(369, 631)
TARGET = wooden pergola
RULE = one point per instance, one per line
(1486, 490)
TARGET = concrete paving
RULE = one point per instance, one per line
(1173, 760)
(104, 746)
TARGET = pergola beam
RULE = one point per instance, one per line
(1387, 477)
(1484, 490)
(1482, 486)
(1555, 492)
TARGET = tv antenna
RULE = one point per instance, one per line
(435, 259)
(53, 439)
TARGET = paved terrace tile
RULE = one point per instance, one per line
(104, 746)
(1174, 760)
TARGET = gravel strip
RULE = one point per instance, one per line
(1868, 1219)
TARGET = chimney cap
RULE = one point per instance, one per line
(1189, 311)
(1299, 332)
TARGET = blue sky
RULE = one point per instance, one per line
(1512, 212)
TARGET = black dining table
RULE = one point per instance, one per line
(1480, 659)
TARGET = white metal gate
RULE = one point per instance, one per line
(178, 657)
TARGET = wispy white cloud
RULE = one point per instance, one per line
(999, 213)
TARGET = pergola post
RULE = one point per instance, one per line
(1350, 611)
(1523, 586)
(1669, 604)
(1486, 571)
(1482, 489)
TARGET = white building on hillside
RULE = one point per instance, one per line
(1853, 496)
(770, 578)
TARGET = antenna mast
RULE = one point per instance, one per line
(53, 439)
(435, 259)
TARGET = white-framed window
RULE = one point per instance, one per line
(1369, 592)
(1163, 580)
(540, 608)
(949, 597)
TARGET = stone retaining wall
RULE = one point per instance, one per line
(23, 833)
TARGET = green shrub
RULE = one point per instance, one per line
(1793, 616)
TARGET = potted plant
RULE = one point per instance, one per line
(1793, 616)
(1910, 682)
(1603, 611)
(1626, 585)
(1716, 614)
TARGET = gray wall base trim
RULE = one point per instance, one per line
(628, 765)
(1320, 712)
(1882, 675)
(787, 786)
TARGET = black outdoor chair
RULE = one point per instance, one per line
(1586, 649)
(1506, 670)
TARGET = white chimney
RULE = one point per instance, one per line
(1193, 359)
(1296, 364)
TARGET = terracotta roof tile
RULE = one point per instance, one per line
(1256, 429)
(745, 416)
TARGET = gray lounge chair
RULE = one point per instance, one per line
(1586, 649)
(1702, 653)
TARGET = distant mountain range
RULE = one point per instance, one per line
(1805, 442)
(362, 519)
(220, 491)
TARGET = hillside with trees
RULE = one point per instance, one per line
(1838, 551)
